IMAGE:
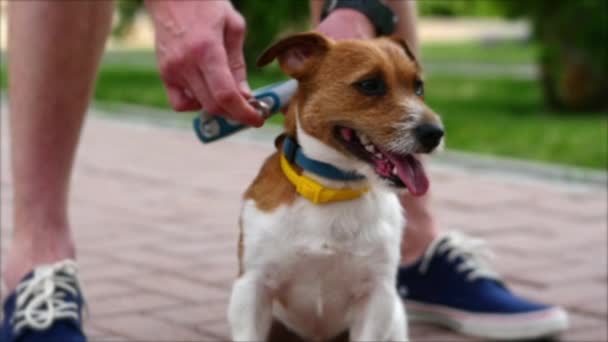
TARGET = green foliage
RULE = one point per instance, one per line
(493, 115)
(500, 116)
(267, 19)
(472, 52)
(460, 8)
(573, 36)
(126, 9)
(504, 116)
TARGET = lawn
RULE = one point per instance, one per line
(472, 52)
(500, 116)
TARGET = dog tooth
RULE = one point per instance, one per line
(395, 171)
(363, 138)
(378, 155)
(369, 148)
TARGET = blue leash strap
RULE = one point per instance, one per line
(209, 127)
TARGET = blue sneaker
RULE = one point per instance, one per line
(452, 285)
(45, 307)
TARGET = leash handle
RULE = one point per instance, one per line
(267, 101)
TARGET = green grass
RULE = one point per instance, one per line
(472, 52)
(492, 116)
(500, 116)
(119, 83)
(506, 117)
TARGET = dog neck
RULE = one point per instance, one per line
(317, 150)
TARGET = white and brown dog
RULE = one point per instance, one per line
(321, 224)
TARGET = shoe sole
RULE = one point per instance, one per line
(534, 325)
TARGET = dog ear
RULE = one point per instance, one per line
(297, 54)
(405, 48)
(279, 140)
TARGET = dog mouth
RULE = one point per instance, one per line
(399, 170)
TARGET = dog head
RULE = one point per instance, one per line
(360, 105)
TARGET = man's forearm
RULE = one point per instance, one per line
(316, 6)
(404, 9)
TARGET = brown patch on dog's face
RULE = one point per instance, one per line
(369, 87)
(372, 87)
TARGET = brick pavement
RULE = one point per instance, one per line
(155, 217)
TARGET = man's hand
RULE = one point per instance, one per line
(199, 46)
(347, 23)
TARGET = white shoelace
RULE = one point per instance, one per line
(474, 253)
(41, 299)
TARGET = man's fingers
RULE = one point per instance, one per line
(200, 91)
(180, 101)
(234, 37)
(222, 87)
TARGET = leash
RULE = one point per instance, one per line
(267, 101)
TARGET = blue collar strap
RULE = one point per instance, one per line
(294, 154)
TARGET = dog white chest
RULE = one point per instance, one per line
(317, 261)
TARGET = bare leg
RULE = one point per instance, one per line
(421, 226)
(55, 47)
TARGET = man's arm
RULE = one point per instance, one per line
(347, 23)
(199, 45)
(406, 27)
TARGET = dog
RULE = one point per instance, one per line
(321, 224)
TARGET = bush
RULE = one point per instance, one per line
(573, 36)
(460, 8)
(265, 19)
(126, 9)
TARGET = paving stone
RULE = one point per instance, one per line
(194, 314)
(100, 289)
(219, 329)
(155, 218)
(595, 334)
(176, 286)
(111, 271)
(145, 328)
(580, 321)
(96, 334)
(132, 303)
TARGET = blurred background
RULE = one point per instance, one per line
(524, 80)
(520, 79)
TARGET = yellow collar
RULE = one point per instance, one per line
(315, 192)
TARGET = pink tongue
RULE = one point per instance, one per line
(411, 173)
(347, 133)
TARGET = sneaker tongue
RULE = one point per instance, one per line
(411, 173)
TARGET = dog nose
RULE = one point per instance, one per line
(429, 136)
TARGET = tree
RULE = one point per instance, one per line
(265, 19)
(573, 35)
(126, 10)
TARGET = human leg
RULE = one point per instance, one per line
(54, 50)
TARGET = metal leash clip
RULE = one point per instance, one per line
(261, 106)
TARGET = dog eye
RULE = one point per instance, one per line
(419, 87)
(372, 86)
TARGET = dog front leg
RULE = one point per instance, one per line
(250, 309)
(380, 316)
